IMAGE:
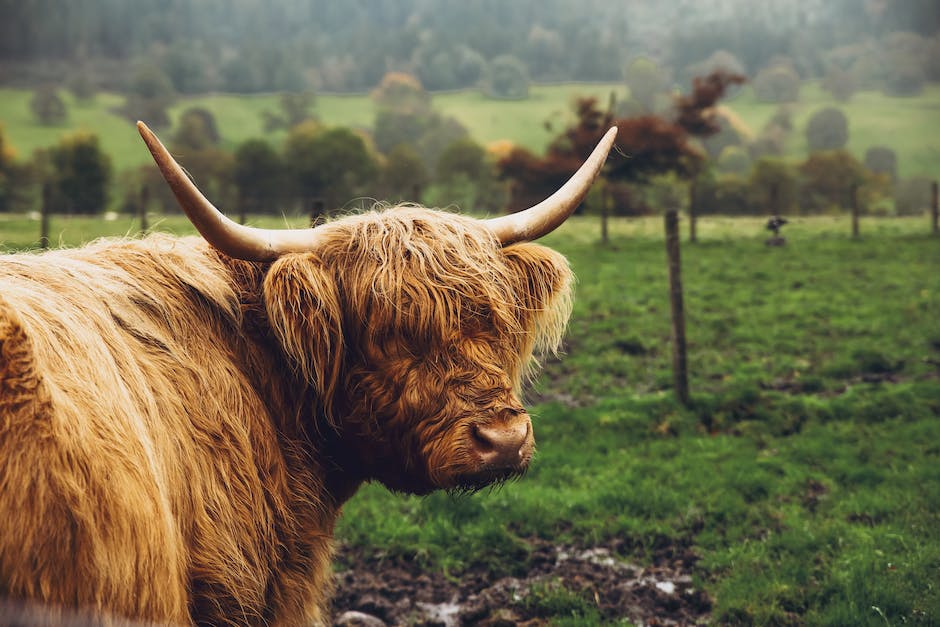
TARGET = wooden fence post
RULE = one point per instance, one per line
(693, 193)
(855, 210)
(680, 374)
(144, 201)
(935, 208)
(44, 210)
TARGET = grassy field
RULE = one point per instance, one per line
(804, 475)
(900, 123)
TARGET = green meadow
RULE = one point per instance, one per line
(874, 119)
(805, 474)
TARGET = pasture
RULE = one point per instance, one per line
(874, 119)
(802, 485)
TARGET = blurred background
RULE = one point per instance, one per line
(425, 100)
(798, 481)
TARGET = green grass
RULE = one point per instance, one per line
(805, 473)
(806, 481)
(874, 120)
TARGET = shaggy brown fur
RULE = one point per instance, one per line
(178, 430)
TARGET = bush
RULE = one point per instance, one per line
(82, 85)
(81, 174)
(829, 180)
(827, 129)
(724, 195)
(448, 67)
(333, 164)
(48, 106)
(149, 94)
(401, 92)
(841, 83)
(507, 79)
(913, 196)
(734, 160)
(779, 83)
(404, 175)
(882, 160)
(463, 157)
(906, 56)
(719, 60)
(196, 130)
(730, 134)
(645, 81)
(774, 186)
(258, 174)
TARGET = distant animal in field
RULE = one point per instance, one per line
(775, 223)
(181, 419)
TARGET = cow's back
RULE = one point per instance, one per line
(130, 439)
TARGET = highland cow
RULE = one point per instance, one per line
(181, 419)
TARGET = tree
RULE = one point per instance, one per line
(332, 164)
(196, 130)
(645, 81)
(840, 83)
(404, 175)
(906, 55)
(829, 178)
(404, 116)
(650, 145)
(882, 160)
(81, 174)
(773, 186)
(912, 196)
(734, 160)
(507, 78)
(48, 106)
(294, 109)
(149, 94)
(827, 129)
(718, 61)
(401, 92)
(258, 174)
(185, 66)
(544, 53)
(779, 83)
(81, 83)
(10, 174)
(463, 157)
(442, 65)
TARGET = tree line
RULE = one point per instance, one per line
(415, 153)
(293, 45)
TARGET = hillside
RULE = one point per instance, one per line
(874, 119)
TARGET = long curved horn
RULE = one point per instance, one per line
(233, 239)
(548, 215)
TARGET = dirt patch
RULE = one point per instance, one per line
(376, 591)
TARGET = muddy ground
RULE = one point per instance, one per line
(375, 591)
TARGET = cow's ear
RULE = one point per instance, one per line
(544, 282)
(303, 307)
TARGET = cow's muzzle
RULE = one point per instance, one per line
(503, 446)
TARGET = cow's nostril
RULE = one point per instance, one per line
(504, 443)
(482, 440)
